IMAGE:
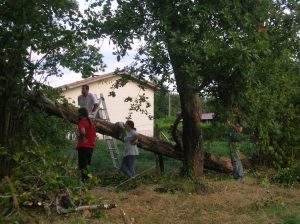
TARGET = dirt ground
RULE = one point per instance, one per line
(223, 201)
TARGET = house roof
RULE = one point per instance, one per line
(207, 116)
(95, 78)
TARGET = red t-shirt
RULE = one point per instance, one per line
(90, 134)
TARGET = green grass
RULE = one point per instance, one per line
(221, 148)
(101, 160)
(218, 148)
(291, 220)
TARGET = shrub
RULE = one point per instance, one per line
(288, 176)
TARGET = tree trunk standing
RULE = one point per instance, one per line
(4, 134)
(191, 116)
(10, 124)
(174, 28)
(12, 105)
(192, 133)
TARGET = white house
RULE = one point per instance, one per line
(117, 108)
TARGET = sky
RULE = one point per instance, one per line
(108, 58)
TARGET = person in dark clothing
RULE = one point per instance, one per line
(86, 142)
(235, 138)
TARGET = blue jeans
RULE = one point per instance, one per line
(128, 165)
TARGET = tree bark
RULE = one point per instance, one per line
(151, 144)
(191, 116)
(192, 135)
(189, 98)
(7, 125)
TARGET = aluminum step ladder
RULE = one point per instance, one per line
(112, 146)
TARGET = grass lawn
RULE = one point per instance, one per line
(101, 160)
(221, 148)
(212, 199)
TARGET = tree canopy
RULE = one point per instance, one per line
(243, 55)
(38, 38)
(231, 51)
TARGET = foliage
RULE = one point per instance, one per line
(164, 125)
(213, 131)
(39, 177)
(273, 115)
(223, 50)
(38, 39)
(288, 176)
(161, 104)
(41, 173)
(269, 104)
(162, 101)
(208, 105)
(215, 137)
(55, 31)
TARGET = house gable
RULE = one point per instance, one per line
(118, 109)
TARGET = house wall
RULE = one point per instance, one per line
(118, 110)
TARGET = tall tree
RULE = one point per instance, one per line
(36, 38)
(268, 103)
(208, 47)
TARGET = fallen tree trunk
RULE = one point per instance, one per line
(151, 144)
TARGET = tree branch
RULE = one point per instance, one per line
(12, 190)
(174, 132)
(114, 130)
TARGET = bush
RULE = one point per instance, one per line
(211, 131)
(164, 125)
(214, 131)
(288, 176)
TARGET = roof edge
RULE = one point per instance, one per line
(97, 77)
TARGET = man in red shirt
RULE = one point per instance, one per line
(86, 142)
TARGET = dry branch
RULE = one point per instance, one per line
(175, 130)
(126, 218)
(64, 199)
(151, 144)
(92, 207)
(15, 200)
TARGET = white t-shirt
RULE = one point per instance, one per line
(131, 149)
(87, 102)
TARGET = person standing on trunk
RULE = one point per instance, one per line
(87, 100)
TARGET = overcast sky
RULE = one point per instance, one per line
(108, 59)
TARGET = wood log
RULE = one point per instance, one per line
(126, 218)
(93, 207)
(64, 198)
(114, 130)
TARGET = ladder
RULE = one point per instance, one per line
(112, 146)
